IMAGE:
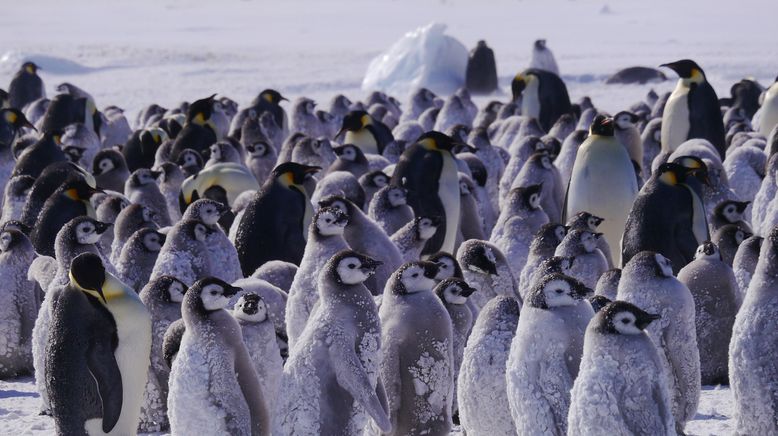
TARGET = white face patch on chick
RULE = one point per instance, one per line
(201, 233)
(534, 201)
(105, 165)
(445, 269)
(589, 241)
(86, 233)
(350, 271)
(5, 241)
(426, 229)
(213, 297)
(396, 197)
(327, 224)
(176, 292)
(558, 293)
(414, 280)
(624, 323)
(664, 265)
(452, 295)
(209, 214)
(152, 242)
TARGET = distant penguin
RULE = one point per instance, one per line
(745, 263)
(471, 222)
(389, 209)
(350, 158)
(542, 58)
(129, 220)
(481, 72)
(516, 235)
(453, 112)
(647, 281)
(417, 337)
(620, 364)
(411, 238)
(543, 246)
(589, 261)
(331, 381)
(636, 75)
(752, 347)
(259, 335)
(20, 304)
(420, 100)
(213, 385)
(303, 117)
(26, 86)
(603, 165)
(314, 152)
(110, 170)
(274, 224)
(651, 139)
(223, 152)
(768, 118)
(715, 291)
(99, 328)
(481, 386)
(184, 254)
(138, 257)
(141, 188)
(170, 179)
(545, 354)
(190, 161)
(12, 121)
(626, 132)
(543, 95)
(485, 268)
(692, 111)
(260, 159)
(142, 146)
(362, 130)
(729, 212)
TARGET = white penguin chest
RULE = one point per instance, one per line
(769, 116)
(530, 103)
(448, 191)
(363, 139)
(675, 120)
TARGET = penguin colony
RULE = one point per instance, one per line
(373, 267)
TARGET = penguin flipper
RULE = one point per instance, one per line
(352, 377)
(705, 119)
(104, 368)
(172, 341)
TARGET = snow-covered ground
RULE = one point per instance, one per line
(165, 51)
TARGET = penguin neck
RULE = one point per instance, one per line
(530, 101)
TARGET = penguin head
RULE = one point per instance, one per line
(341, 102)
(206, 210)
(396, 196)
(552, 233)
(622, 318)
(540, 160)
(598, 302)
(338, 202)
(87, 231)
(434, 140)
(294, 174)
(214, 294)
(459, 134)
(258, 149)
(424, 96)
(197, 230)
(695, 167)
(73, 153)
(527, 197)
(143, 177)
(518, 84)
(464, 185)
(151, 240)
(602, 126)
(250, 307)
(30, 68)
(587, 238)
(732, 211)
(12, 238)
(304, 106)
(378, 179)
(447, 266)
(107, 160)
(557, 290)
(707, 250)
(16, 225)
(415, 277)
(625, 120)
(687, 70)
(454, 290)
(190, 160)
(87, 274)
(19, 186)
(349, 152)
(479, 257)
(557, 264)
(147, 215)
(585, 220)
(351, 268)
(272, 96)
(671, 173)
(355, 121)
(330, 221)
(168, 289)
(15, 119)
(540, 44)
(734, 233)
(200, 111)
(78, 190)
(426, 226)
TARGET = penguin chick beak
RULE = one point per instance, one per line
(100, 227)
(431, 270)
(230, 291)
(582, 292)
(468, 291)
(644, 320)
(741, 206)
(155, 174)
(370, 265)
(598, 235)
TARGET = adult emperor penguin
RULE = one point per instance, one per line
(543, 96)
(545, 354)
(647, 281)
(101, 331)
(331, 383)
(603, 165)
(715, 291)
(417, 336)
(768, 117)
(214, 388)
(26, 86)
(481, 73)
(620, 365)
(138, 257)
(20, 303)
(369, 134)
(274, 224)
(199, 131)
(44, 152)
(428, 170)
(692, 111)
(481, 386)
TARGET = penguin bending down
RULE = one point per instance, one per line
(214, 388)
(485, 268)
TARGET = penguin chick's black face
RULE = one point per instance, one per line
(557, 290)
(352, 268)
(447, 266)
(88, 232)
(707, 250)
(480, 258)
(251, 307)
(687, 69)
(143, 176)
(415, 277)
(623, 318)
(292, 173)
(379, 179)
(434, 140)
(208, 211)
(454, 290)
(602, 126)
(624, 120)
(88, 274)
(214, 293)
(397, 196)
(426, 227)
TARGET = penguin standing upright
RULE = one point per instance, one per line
(542, 58)
(768, 118)
(26, 86)
(692, 111)
(411, 238)
(428, 170)
(129, 220)
(141, 188)
(543, 96)
(12, 121)
(138, 257)
(275, 222)
(745, 263)
(481, 73)
(389, 209)
(603, 165)
(110, 170)
(626, 132)
(199, 131)
(184, 254)
(35, 158)
(543, 246)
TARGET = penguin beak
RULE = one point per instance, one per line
(341, 219)
(462, 147)
(468, 291)
(340, 132)
(155, 174)
(644, 320)
(431, 270)
(26, 123)
(230, 291)
(582, 292)
(370, 265)
(597, 235)
(741, 207)
(100, 228)
(250, 148)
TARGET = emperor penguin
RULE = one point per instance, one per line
(608, 284)
(371, 183)
(620, 365)
(221, 251)
(768, 117)
(26, 86)
(417, 337)
(325, 239)
(481, 386)
(420, 100)
(110, 170)
(447, 266)
(603, 165)
(259, 335)
(331, 381)
(428, 170)
(715, 291)
(552, 265)
(543, 96)
(278, 273)
(162, 297)
(214, 388)
(543, 246)
(20, 303)
(365, 132)
(485, 268)
(138, 257)
(744, 264)
(411, 238)
(730, 212)
(626, 132)
(539, 169)
(101, 331)
(12, 125)
(589, 262)
(692, 111)
(587, 221)
(199, 130)
(350, 158)
(728, 239)
(304, 118)
(184, 254)
(44, 152)
(170, 178)
(481, 72)
(745, 169)
(142, 188)
(651, 142)
(273, 226)
(223, 152)
(647, 281)
(522, 202)
(752, 371)
(389, 209)
(545, 354)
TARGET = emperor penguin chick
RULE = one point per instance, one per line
(647, 281)
(589, 261)
(417, 337)
(110, 170)
(141, 188)
(521, 202)
(184, 254)
(221, 251)
(545, 354)
(620, 365)
(485, 268)
(543, 246)
(389, 209)
(587, 221)
(481, 386)
(411, 238)
(744, 264)
(131, 219)
(715, 290)
(608, 284)
(138, 257)
(170, 179)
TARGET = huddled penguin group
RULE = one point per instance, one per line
(533, 266)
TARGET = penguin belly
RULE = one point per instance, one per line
(530, 103)
(604, 184)
(363, 139)
(448, 192)
(675, 120)
(768, 118)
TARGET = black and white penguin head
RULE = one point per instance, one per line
(11, 238)
(695, 167)
(648, 265)
(30, 67)
(190, 160)
(520, 82)
(206, 210)
(200, 111)
(143, 177)
(87, 231)
(340, 102)
(437, 141)
(271, 96)
(585, 220)
(330, 221)
(349, 152)
(464, 187)
(258, 149)
(557, 264)
(195, 230)
(304, 106)
(601, 126)
(731, 211)
(447, 266)
(598, 302)
(527, 197)
(622, 318)
(378, 179)
(11, 121)
(169, 172)
(454, 290)
(540, 159)
(78, 190)
(170, 289)
(557, 290)
(424, 95)
(586, 238)
(87, 273)
(688, 71)
(152, 240)
(478, 256)
(396, 196)
(215, 152)
(250, 307)
(107, 160)
(540, 44)
(338, 202)
(355, 121)
(148, 215)
(426, 227)
(213, 293)
(707, 250)
(351, 268)
(293, 174)
(415, 277)
(625, 120)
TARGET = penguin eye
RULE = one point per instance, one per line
(415, 275)
(213, 293)
(624, 321)
(352, 266)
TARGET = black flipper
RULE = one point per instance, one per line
(102, 364)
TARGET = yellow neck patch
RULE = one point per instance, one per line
(366, 120)
(268, 98)
(30, 69)
(429, 144)
(669, 178)
(11, 117)
(199, 118)
(72, 194)
(287, 179)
